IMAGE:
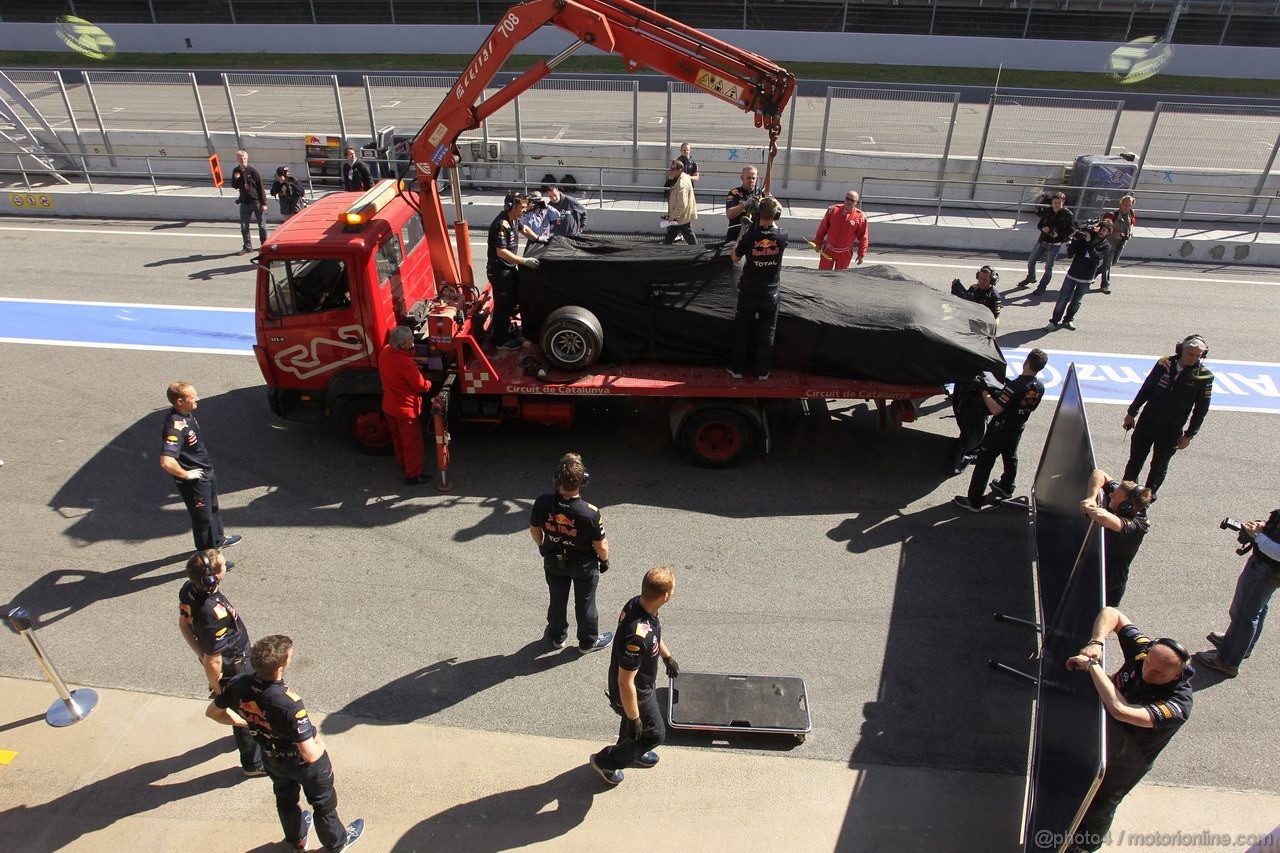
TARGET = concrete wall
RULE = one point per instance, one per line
(870, 48)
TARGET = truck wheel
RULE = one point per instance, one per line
(362, 421)
(717, 438)
(571, 338)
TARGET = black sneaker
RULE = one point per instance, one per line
(254, 771)
(999, 490)
(228, 541)
(602, 642)
(420, 480)
(963, 502)
(613, 777)
(649, 759)
(1106, 290)
(245, 250)
(355, 829)
(1028, 280)
(301, 844)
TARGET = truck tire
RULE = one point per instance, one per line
(361, 420)
(571, 338)
(718, 437)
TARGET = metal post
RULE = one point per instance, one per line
(97, 114)
(1115, 126)
(152, 8)
(1186, 197)
(635, 131)
(982, 146)
(1222, 37)
(1262, 221)
(946, 146)
(478, 21)
(231, 106)
(337, 99)
(519, 136)
(312, 5)
(1266, 174)
(1026, 25)
(71, 114)
(1128, 27)
(151, 174)
(1146, 145)
(392, 4)
(670, 116)
(744, 14)
(231, 6)
(72, 705)
(822, 146)
(844, 20)
(368, 99)
(791, 129)
(933, 13)
(204, 124)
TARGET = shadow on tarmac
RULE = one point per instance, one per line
(509, 820)
(58, 823)
(64, 592)
(442, 685)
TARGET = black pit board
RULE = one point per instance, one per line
(718, 701)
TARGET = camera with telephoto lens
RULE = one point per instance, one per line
(1244, 537)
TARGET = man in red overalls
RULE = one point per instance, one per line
(843, 228)
(402, 388)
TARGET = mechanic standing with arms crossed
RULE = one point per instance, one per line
(569, 533)
(633, 672)
(184, 458)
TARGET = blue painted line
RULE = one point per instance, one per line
(163, 327)
(1239, 386)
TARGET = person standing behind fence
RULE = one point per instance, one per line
(288, 192)
(356, 176)
(573, 216)
(1122, 220)
(1055, 226)
(252, 199)
(682, 207)
(842, 232)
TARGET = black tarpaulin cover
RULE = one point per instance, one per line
(676, 304)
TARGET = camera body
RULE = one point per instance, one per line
(1244, 537)
(539, 204)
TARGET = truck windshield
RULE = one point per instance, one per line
(307, 285)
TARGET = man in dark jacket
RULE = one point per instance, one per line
(288, 191)
(573, 216)
(252, 199)
(1055, 226)
(1178, 387)
(356, 176)
(1088, 247)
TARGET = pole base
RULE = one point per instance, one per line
(59, 715)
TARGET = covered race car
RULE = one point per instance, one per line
(597, 299)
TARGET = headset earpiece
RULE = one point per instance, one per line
(509, 203)
(995, 276)
(210, 579)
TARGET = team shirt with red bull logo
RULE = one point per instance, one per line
(276, 716)
(635, 648)
(182, 441)
(761, 250)
(570, 526)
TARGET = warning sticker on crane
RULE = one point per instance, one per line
(718, 85)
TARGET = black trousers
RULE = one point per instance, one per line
(1001, 440)
(291, 776)
(756, 322)
(1161, 442)
(504, 303)
(201, 498)
(971, 419)
(1120, 779)
(624, 753)
(584, 606)
(250, 751)
(685, 230)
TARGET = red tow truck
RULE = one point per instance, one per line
(339, 275)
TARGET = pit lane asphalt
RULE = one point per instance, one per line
(838, 557)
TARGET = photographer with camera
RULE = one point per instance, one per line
(1120, 509)
(1087, 250)
(1261, 575)
(538, 220)
(1055, 224)
(569, 533)
(1147, 700)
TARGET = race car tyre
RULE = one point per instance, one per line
(571, 338)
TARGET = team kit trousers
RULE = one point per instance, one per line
(583, 584)
(624, 753)
(503, 280)
(1001, 440)
(406, 439)
(291, 776)
(1161, 441)
(756, 322)
(250, 752)
(201, 498)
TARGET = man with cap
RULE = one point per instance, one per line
(1179, 387)
(538, 220)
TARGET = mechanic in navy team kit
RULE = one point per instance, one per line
(1177, 388)
(214, 630)
(504, 237)
(1120, 509)
(185, 459)
(569, 533)
(1010, 408)
(982, 291)
(292, 753)
(1147, 701)
(761, 247)
(633, 674)
(741, 204)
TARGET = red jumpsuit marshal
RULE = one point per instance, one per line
(402, 388)
(837, 236)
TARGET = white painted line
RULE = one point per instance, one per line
(124, 304)
(1200, 279)
(391, 105)
(145, 347)
(167, 233)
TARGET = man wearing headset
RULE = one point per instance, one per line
(214, 630)
(504, 237)
(1120, 509)
(982, 291)
(569, 533)
(1147, 701)
(1178, 387)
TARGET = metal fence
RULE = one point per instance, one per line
(926, 131)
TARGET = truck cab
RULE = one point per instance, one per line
(332, 282)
